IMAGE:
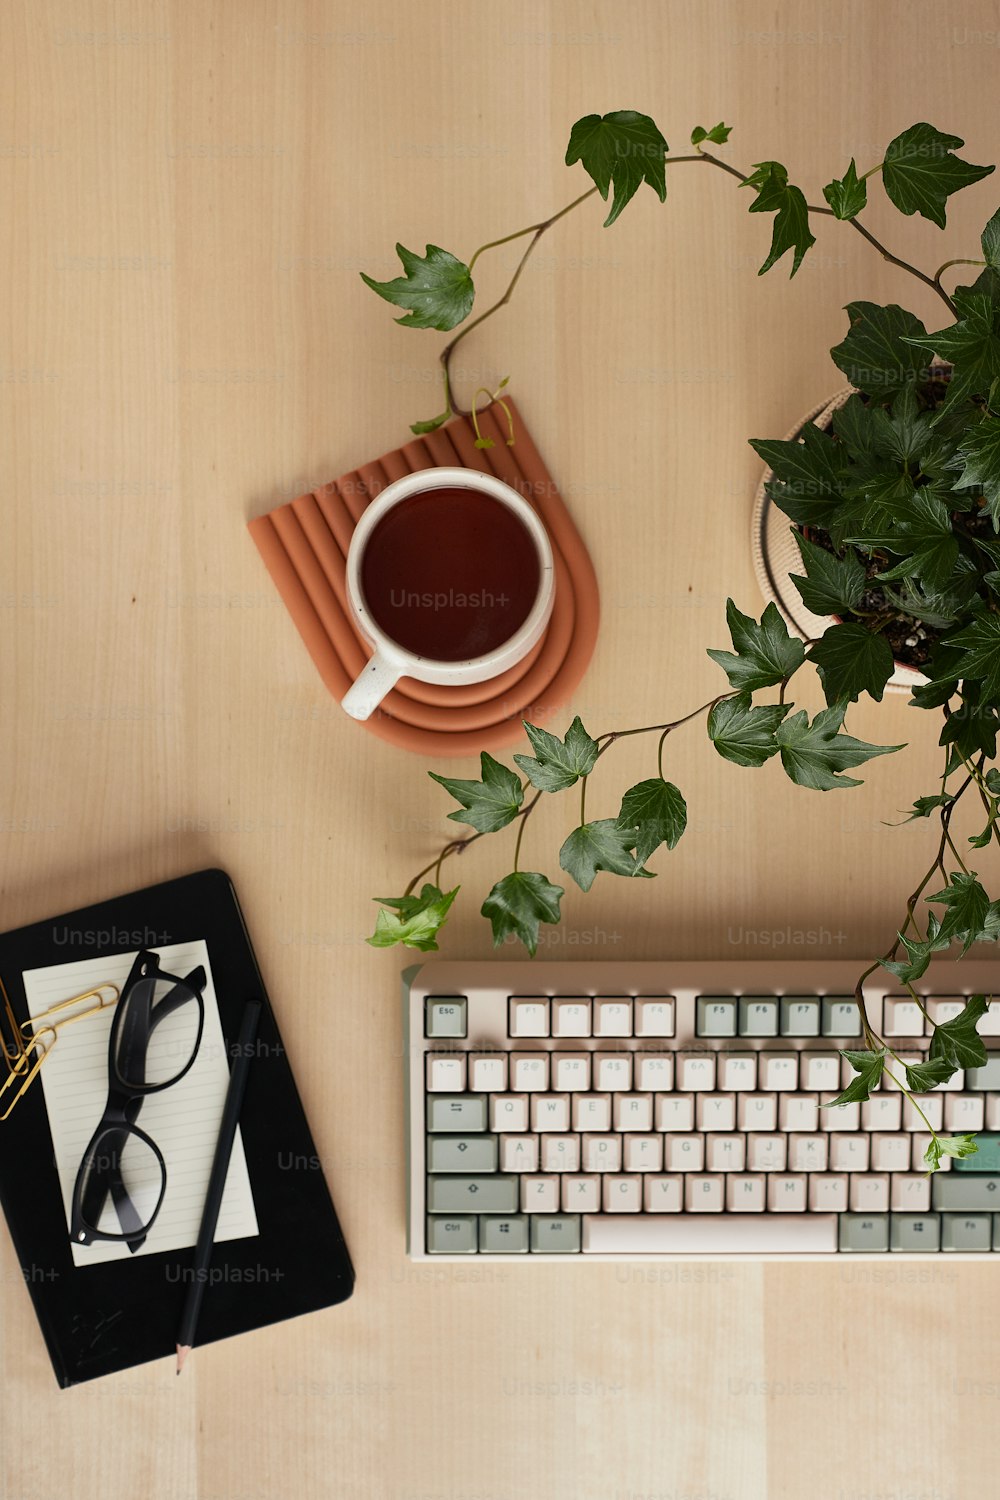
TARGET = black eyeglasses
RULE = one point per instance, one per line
(155, 1036)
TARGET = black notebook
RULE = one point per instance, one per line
(279, 1249)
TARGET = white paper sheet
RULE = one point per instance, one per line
(183, 1120)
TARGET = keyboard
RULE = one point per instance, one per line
(659, 1111)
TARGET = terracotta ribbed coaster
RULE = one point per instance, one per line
(304, 545)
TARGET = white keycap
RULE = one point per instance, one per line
(840, 1116)
(963, 1112)
(708, 1234)
(529, 1017)
(883, 1111)
(849, 1151)
(808, 1153)
(540, 1195)
(591, 1112)
(612, 1018)
(954, 1085)
(943, 1009)
(445, 1072)
(633, 1111)
(919, 1141)
(612, 1071)
(643, 1153)
(786, 1193)
(798, 1112)
(675, 1112)
(696, 1072)
(654, 1071)
(654, 1017)
(757, 1112)
(745, 1194)
(737, 1071)
(549, 1112)
(622, 1195)
(704, 1194)
(827, 1193)
(581, 1195)
(519, 1153)
(902, 1017)
(571, 1071)
(993, 1111)
(663, 1195)
(869, 1192)
(910, 1192)
(560, 1153)
(571, 1018)
(767, 1153)
(989, 1025)
(684, 1153)
(529, 1071)
(716, 1111)
(725, 1153)
(602, 1153)
(508, 1112)
(778, 1071)
(932, 1106)
(488, 1072)
(890, 1153)
(820, 1072)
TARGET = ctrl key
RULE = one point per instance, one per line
(456, 1235)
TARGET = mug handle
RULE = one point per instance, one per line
(377, 678)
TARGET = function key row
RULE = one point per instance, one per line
(772, 1015)
(603, 1016)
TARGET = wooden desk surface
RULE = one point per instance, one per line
(189, 191)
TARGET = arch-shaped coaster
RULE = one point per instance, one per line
(304, 545)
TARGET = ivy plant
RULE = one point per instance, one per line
(895, 508)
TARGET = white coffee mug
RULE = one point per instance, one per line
(391, 661)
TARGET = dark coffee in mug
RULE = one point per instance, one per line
(450, 574)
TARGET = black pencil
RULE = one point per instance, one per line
(217, 1180)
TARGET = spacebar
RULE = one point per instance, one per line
(708, 1234)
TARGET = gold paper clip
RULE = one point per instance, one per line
(26, 1046)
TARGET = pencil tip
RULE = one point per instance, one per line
(183, 1350)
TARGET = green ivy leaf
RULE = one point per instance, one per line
(766, 653)
(831, 584)
(967, 908)
(876, 355)
(924, 806)
(846, 195)
(957, 1042)
(920, 172)
(601, 845)
(990, 241)
(813, 754)
(437, 289)
(413, 920)
(948, 1145)
(489, 804)
(979, 648)
(923, 1076)
(623, 148)
(559, 763)
(972, 346)
(905, 432)
(919, 953)
(869, 1067)
(978, 457)
(855, 426)
(972, 727)
(432, 424)
(807, 480)
(791, 226)
(743, 734)
(718, 135)
(652, 813)
(518, 903)
(925, 540)
(852, 660)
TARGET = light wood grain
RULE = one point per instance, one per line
(188, 192)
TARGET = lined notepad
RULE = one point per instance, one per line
(183, 1120)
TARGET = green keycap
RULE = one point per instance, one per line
(968, 1192)
(799, 1015)
(451, 1236)
(987, 1077)
(864, 1232)
(461, 1114)
(986, 1159)
(758, 1016)
(472, 1195)
(461, 1153)
(445, 1015)
(716, 1016)
(555, 1235)
(966, 1231)
(841, 1016)
(915, 1232)
(503, 1234)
